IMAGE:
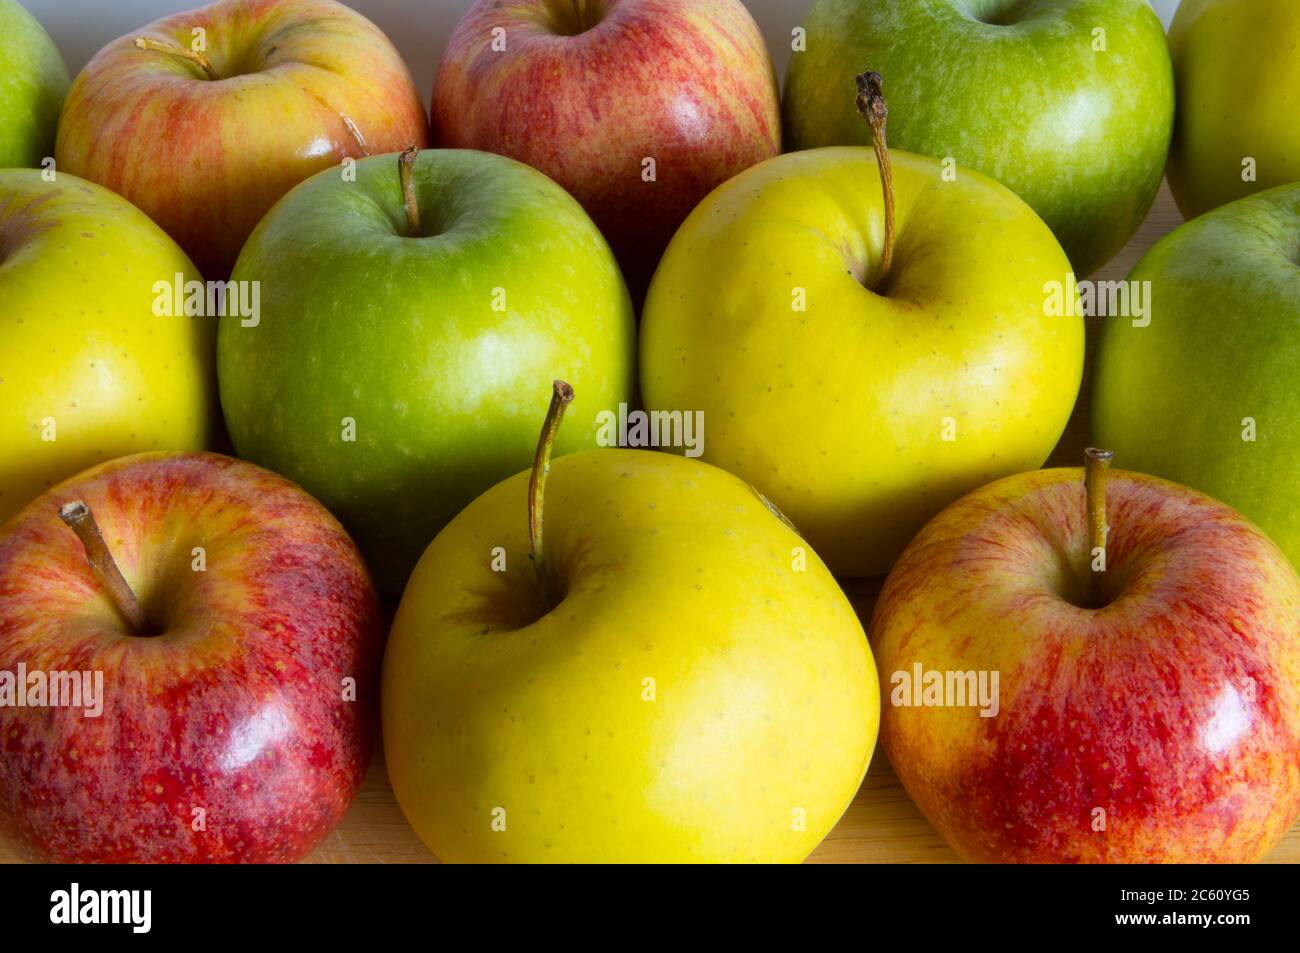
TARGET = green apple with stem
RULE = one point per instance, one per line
(33, 83)
(401, 314)
(659, 669)
(1070, 103)
(1206, 394)
(867, 339)
(88, 370)
(1237, 67)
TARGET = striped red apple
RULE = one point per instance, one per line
(1148, 662)
(638, 107)
(204, 119)
(236, 640)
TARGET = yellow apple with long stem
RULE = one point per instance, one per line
(659, 670)
(88, 370)
(864, 362)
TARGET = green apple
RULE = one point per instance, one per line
(1070, 103)
(1206, 394)
(388, 371)
(33, 83)
(863, 400)
(672, 677)
(1237, 67)
(88, 371)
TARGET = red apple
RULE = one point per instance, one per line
(1150, 712)
(592, 91)
(205, 142)
(228, 645)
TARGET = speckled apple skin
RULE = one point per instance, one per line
(688, 83)
(1175, 708)
(236, 708)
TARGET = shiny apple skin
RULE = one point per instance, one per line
(206, 159)
(236, 707)
(689, 83)
(1175, 708)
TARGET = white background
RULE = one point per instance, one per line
(419, 27)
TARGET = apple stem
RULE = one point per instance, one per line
(561, 397)
(579, 10)
(406, 169)
(144, 43)
(1097, 462)
(82, 522)
(871, 103)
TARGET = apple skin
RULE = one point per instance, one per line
(837, 412)
(765, 695)
(33, 83)
(206, 159)
(1238, 72)
(235, 706)
(1081, 136)
(1175, 708)
(1223, 345)
(80, 345)
(401, 335)
(688, 83)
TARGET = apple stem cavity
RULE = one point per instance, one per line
(406, 174)
(82, 522)
(580, 12)
(872, 105)
(173, 49)
(561, 397)
(1096, 465)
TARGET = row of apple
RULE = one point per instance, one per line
(860, 373)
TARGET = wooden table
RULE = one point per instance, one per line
(882, 825)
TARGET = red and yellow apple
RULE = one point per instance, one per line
(229, 106)
(638, 107)
(237, 652)
(1147, 712)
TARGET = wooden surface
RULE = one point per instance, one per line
(882, 825)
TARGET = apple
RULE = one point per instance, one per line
(384, 374)
(1237, 70)
(33, 82)
(638, 107)
(88, 371)
(653, 667)
(1070, 103)
(1206, 394)
(205, 118)
(1145, 642)
(224, 642)
(862, 395)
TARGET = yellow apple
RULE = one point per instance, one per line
(1237, 71)
(88, 372)
(697, 689)
(862, 403)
